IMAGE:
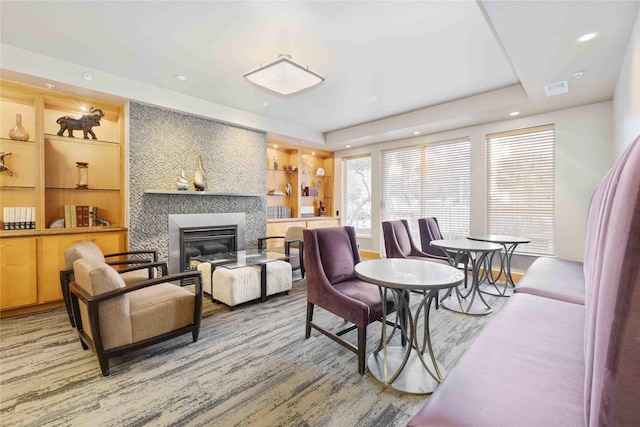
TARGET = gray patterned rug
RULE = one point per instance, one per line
(250, 367)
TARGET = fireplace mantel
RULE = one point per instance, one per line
(199, 193)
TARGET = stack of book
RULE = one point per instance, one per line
(274, 212)
(80, 216)
(19, 218)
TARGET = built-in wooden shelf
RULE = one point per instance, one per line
(200, 193)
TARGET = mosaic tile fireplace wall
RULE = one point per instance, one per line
(161, 143)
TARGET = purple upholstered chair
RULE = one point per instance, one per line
(330, 255)
(399, 244)
(429, 231)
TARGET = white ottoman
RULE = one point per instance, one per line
(236, 286)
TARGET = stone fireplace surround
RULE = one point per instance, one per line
(161, 143)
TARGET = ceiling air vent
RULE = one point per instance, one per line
(557, 88)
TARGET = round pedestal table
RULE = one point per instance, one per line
(410, 368)
(466, 301)
(509, 243)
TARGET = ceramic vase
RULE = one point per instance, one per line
(18, 132)
(199, 179)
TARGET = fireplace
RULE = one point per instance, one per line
(201, 243)
(201, 235)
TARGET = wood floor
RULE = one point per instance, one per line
(250, 367)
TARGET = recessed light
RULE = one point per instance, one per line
(49, 85)
(347, 146)
(265, 104)
(578, 75)
(88, 76)
(371, 100)
(83, 108)
(417, 132)
(275, 146)
(586, 37)
(313, 153)
(181, 77)
(514, 113)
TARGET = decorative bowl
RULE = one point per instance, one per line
(289, 168)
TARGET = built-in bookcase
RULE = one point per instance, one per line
(44, 176)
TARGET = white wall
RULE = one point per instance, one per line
(626, 101)
(583, 154)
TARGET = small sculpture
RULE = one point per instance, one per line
(322, 210)
(199, 179)
(84, 123)
(182, 184)
(275, 162)
(3, 168)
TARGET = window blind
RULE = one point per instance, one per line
(356, 181)
(520, 186)
(429, 180)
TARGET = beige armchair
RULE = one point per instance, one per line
(292, 244)
(138, 266)
(113, 319)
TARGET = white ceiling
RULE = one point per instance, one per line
(429, 65)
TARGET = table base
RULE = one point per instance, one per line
(414, 379)
(476, 308)
(496, 290)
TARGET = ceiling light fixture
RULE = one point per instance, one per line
(284, 76)
(347, 146)
(587, 37)
(49, 85)
(88, 76)
(514, 113)
(181, 77)
(417, 132)
(578, 75)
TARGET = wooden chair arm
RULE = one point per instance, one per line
(262, 240)
(153, 253)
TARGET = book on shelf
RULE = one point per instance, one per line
(80, 216)
(19, 218)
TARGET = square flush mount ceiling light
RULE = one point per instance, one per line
(284, 76)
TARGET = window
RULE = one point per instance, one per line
(357, 193)
(429, 180)
(520, 186)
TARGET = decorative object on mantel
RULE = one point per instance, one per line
(183, 184)
(320, 172)
(288, 189)
(84, 123)
(275, 162)
(18, 132)
(3, 168)
(199, 179)
(289, 168)
(322, 210)
(83, 175)
(276, 193)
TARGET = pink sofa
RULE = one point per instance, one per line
(565, 349)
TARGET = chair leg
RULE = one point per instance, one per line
(195, 334)
(362, 348)
(307, 333)
(104, 365)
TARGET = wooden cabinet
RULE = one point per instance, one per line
(51, 258)
(18, 272)
(299, 193)
(45, 177)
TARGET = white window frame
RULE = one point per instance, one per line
(438, 176)
(358, 219)
(521, 187)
